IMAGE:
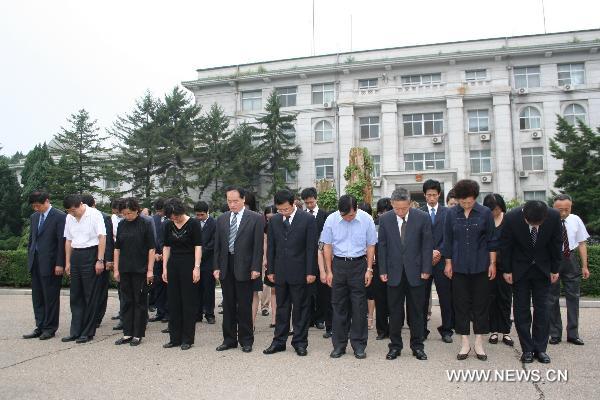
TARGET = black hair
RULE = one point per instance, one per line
(159, 204)
(466, 188)
(174, 206)
(284, 196)
(450, 195)
(494, 200)
(270, 210)
(383, 205)
(366, 207)
(432, 184)
(88, 200)
(72, 200)
(129, 203)
(347, 203)
(241, 191)
(201, 206)
(250, 201)
(38, 196)
(535, 211)
(309, 192)
(561, 197)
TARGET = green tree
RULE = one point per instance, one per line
(579, 149)
(10, 202)
(81, 146)
(276, 141)
(36, 174)
(61, 183)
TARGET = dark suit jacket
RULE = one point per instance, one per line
(159, 231)
(437, 229)
(50, 241)
(110, 240)
(248, 250)
(320, 218)
(292, 256)
(208, 244)
(418, 248)
(518, 254)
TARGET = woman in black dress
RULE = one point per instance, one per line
(269, 212)
(182, 252)
(134, 269)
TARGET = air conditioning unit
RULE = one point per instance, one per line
(536, 134)
(522, 91)
(328, 104)
(567, 88)
(376, 182)
(437, 140)
(486, 179)
(523, 174)
(485, 137)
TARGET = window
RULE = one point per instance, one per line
(376, 160)
(527, 77)
(423, 161)
(535, 195)
(476, 75)
(322, 93)
(323, 132)
(290, 177)
(423, 124)
(324, 168)
(252, 101)
(573, 112)
(367, 83)
(287, 96)
(478, 121)
(571, 74)
(424, 79)
(110, 184)
(369, 127)
(530, 118)
(481, 161)
(533, 159)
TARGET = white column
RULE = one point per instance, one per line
(345, 142)
(457, 147)
(389, 137)
(502, 151)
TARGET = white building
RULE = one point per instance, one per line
(480, 109)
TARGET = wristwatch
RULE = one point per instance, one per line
(100, 260)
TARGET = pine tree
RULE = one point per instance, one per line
(10, 202)
(580, 175)
(61, 183)
(36, 174)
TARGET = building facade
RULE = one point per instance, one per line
(481, 109)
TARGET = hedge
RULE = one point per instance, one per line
(13, 271)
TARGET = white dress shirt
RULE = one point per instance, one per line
(315, 211)
(576, 231)
(239, 217)
(84, 233)
(400, 222)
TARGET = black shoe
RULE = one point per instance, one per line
(83, 339)
(576, 341)
(118, 327)
(271, 325)
(327, 334)
(482, 357)
(382, 336)
(166, 330)
(320, 325)
(152, 308)
(463, 356)
(542, 357)
(169, 345)
(420, 354)
(265, 313)
(123, 340)
(360, 354)
(274, 348)
(301, 351)
(507, 340)
(155, 319)
(186, 346)
(527, 357)
(46, 335)
(223, 347)
(135, 341)
(35, 334)
(493, 338)
(69, 339)
(221, 312)
(291, 333)
(247, 349)
(210, 320)
(337, 353)
(554, 340)
(447, 339)
(116, 317)
(393, 354)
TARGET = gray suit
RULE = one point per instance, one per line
(404, 261)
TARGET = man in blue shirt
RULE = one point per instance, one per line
(349, 236)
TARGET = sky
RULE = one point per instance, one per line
(57, 57)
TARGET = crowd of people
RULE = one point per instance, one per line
(343, 272)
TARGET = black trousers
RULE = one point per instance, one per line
(85, 292)
(237, 309)
(324, 306)
(500, 304)
(134, 304)
(533, 333)
(349, 294)
(160, 292)
(103, 284)
(183, 299)
(382, 312)
(415, 298)
(206, 295)
(443, 287)
(570, 276)
(45, 296)
(292, 300)
(471, 299)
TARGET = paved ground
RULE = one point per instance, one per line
(34, 369)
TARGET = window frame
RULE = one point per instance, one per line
(573, 115)
(376, 172)
(325, 166)
(476, 77)
(479, 119)
(527, 75)
(480, 159)
(422, 123)
(410, 80)
(287, 96)
(528, 159)
(252, 100)
(523, 125)
(368, 86)
(316, 130)
(569, 80)
(370, 127)
(424, 159)
(322, 91)
(535, 195)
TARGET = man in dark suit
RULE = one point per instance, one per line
(206, 288)
(443, 286)
(159, 287)
(46, 262)
(531, 255)
(239, 240)
(292, 266)
(405, 251)
(321, 310)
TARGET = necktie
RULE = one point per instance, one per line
(232, 232)
(42, 220)
(534, 232)
(432, 215)
(286, 223)
(565, 240)
(403, 229)
(311, 211)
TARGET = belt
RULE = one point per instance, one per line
(84, 248)
(349, 258)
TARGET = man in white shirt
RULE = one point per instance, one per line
(85, 235)
(574, 236)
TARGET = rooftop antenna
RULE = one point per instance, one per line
(350, 32)
(313, 27)
(544, 15)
